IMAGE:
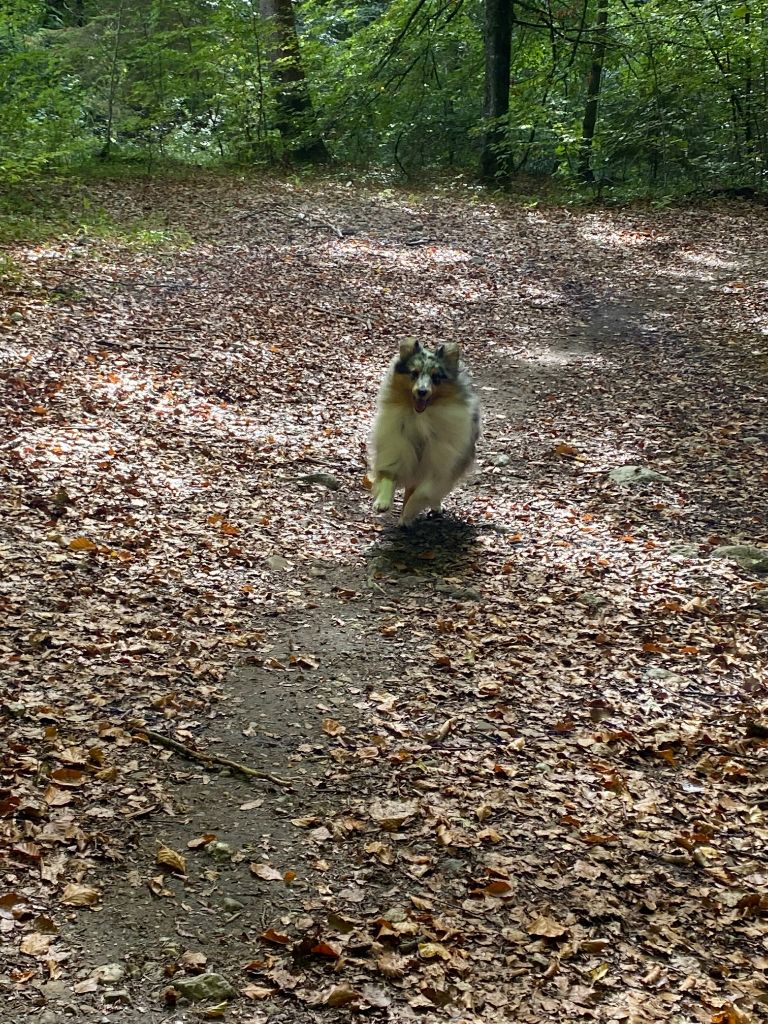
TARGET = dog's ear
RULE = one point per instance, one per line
(409, 347)
(449, 353)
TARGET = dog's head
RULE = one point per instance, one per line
(430, 372)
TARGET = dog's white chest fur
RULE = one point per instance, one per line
(431, 443)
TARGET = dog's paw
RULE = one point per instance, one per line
(383, 495)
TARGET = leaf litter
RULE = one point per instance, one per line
(529, 755)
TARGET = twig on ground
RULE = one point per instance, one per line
(205, 758)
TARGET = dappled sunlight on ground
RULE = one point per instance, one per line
(709, 259)
(604, 233)
(555, 673)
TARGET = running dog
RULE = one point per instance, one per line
(426, 428)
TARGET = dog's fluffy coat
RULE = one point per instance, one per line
(427, 424)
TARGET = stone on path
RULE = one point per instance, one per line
(204, 986)
(748, 557)
(634, 475)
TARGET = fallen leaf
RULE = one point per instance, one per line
(547, 928)
(171, 859)
(68, 777)
(266, 872)
(332, 727)
(36, 945)
(83, 544)
(257, 992)
(80, 895)
(340, 995)
(392, 814)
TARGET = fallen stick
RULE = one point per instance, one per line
(195, 755)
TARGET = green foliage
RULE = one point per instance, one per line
(403, 86)
(39, 101)
(683, 97)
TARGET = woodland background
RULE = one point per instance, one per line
(627, 96)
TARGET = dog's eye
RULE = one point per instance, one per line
(436, 378)
(414, 374)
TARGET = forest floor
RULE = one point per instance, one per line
(512, 764)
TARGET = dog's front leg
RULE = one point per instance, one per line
(383, 493)
(422, 497)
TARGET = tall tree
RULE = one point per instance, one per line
(499, 17)
(594, 81)
(296, 118)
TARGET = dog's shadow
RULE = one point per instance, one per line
(433, 547)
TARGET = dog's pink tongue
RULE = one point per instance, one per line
(420, 404)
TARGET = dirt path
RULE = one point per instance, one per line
(527, 741)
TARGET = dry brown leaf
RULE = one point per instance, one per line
(192, 961)
(36, 945)
(431, 950)
(266, 872)
(171, 859)
(333, 728)
(213, 1012)
(157, 886)
(547, 927)
(340, 995)
(256, 992)
(82, 544)
(392, 814)
(203, 840)
(75, 895)
(68, 777)
(383, 852)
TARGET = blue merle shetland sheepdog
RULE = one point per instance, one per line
(426, 428)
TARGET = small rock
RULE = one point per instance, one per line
(219, 851)
(233, 906)
(331, 482)
(277, 562)
(634, 475)
(500, 460)
(109, 974)
(396, 915)
(117, 995)
(204, 986)
(664, 675)
(55, 989)
(748, 557)
(453, 867)
(685, 550)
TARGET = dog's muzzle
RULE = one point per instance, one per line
(421, 397)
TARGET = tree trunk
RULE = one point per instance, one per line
(295, 114)
(114, 80)
(498, 55)
(594, 81)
